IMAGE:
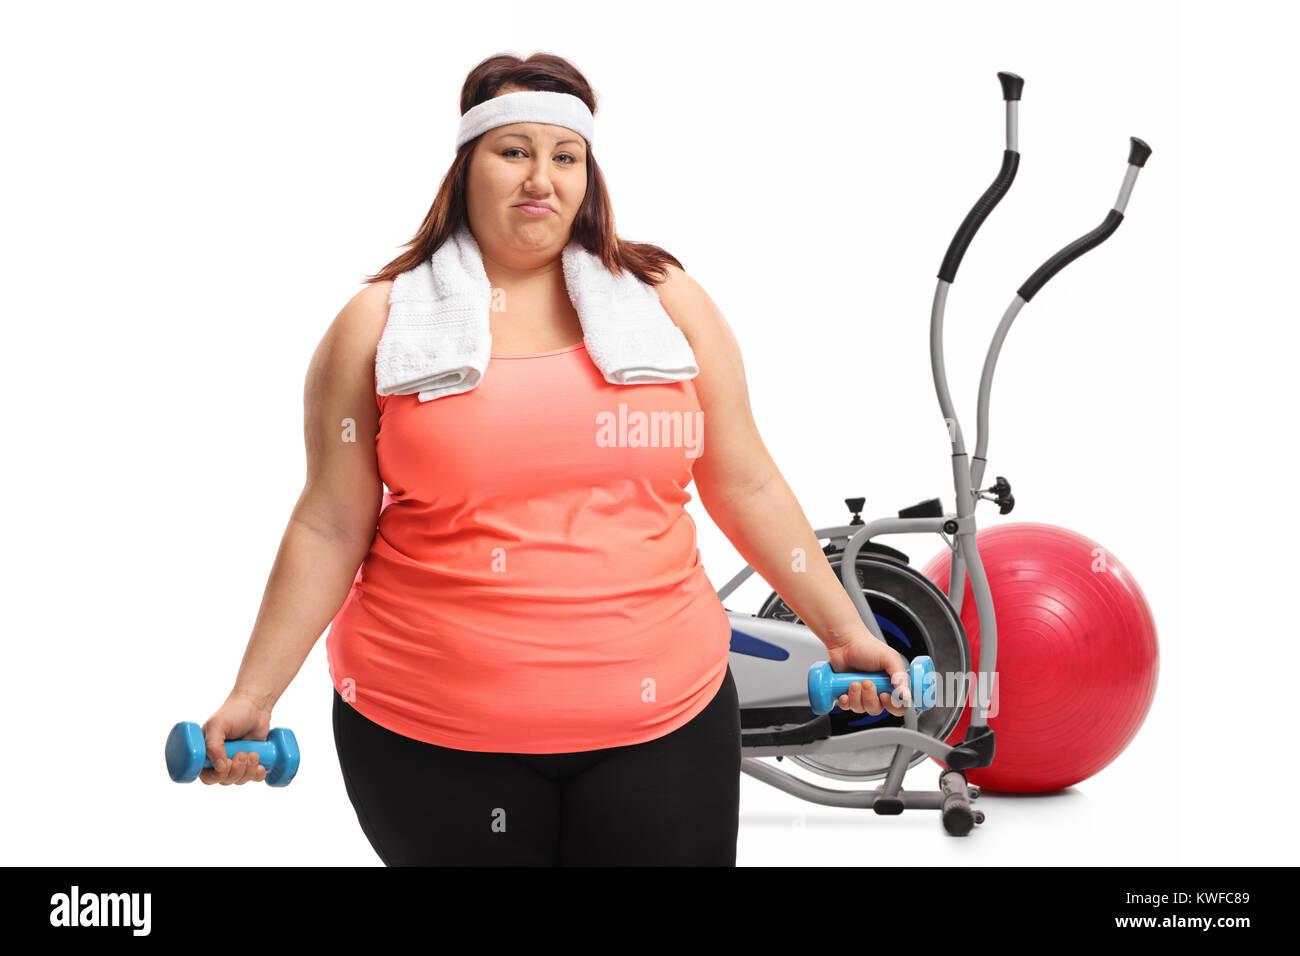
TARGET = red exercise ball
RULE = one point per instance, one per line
(1077, 657)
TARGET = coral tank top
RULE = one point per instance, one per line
(534, 584)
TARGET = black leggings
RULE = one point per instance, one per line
(672, 801)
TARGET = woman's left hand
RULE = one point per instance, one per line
(862, 653)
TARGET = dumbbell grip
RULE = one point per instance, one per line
(831, 685)
(825, 685)
(267, 752)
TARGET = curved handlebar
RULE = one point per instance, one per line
(1012, 86)
(1139, 153)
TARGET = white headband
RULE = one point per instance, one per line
(527, 106)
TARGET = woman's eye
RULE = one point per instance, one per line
(517, 149)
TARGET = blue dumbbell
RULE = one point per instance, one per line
(825, 685)
(187, 754)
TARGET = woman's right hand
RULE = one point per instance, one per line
(239, 718)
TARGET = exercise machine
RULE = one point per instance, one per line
(773, 652)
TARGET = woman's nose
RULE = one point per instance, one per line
(537, 180)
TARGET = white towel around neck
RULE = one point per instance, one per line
(437, 341)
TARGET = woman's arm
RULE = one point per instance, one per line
(333, 522)
(739, 484)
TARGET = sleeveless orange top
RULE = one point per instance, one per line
(534, 584)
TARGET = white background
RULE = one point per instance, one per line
(192, 193)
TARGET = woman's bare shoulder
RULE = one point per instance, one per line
(360, 323)
(681, 296)
(367, 311)
(345, 357)
(701, 321)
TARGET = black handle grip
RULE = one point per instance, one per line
(1067, 255)
(979, 212)
(1011, 86)
(1139, 152)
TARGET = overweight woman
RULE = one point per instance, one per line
(529, 664)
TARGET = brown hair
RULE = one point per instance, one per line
(593, 226)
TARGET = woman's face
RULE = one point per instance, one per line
(515, 172)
